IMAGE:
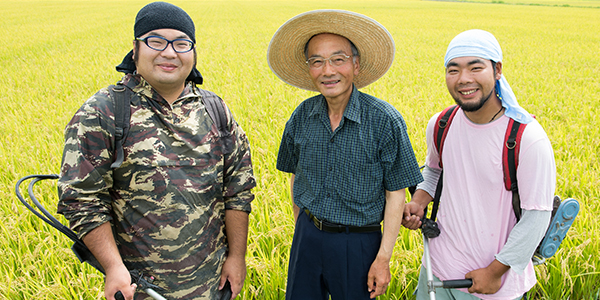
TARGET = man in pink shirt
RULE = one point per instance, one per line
(480, 237)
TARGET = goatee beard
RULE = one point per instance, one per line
(470, 107)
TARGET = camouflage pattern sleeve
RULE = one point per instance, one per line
(238, 174)
(85, 175)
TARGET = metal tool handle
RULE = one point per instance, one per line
(150, 292)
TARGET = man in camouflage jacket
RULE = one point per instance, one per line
(177, 208)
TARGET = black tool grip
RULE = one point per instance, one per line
(119, 296)
(459, 283)
(226, 291)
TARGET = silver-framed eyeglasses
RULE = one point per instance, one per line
(159, 43)
(336, 60)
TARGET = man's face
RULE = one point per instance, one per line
(334, 82)
(471, 81)
(165, 69)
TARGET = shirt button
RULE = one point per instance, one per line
(331, 140)
(330, 168)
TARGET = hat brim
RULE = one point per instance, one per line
(286, 49)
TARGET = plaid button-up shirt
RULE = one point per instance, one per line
(342, 176)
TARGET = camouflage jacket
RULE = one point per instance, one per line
(167, 201)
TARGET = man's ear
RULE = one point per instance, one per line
(498, 70)
(356, 66)
(133, 49)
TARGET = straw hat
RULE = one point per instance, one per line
(286, 50)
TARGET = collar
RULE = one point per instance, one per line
(351, 112)
(140, 86)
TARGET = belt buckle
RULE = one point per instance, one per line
(318, 223)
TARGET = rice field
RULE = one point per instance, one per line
(57, 53)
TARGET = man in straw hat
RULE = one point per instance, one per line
(348, 152)
(176, 207)
(480, 238)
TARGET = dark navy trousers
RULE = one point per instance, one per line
(324, 264)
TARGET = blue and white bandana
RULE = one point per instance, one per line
(483, 44)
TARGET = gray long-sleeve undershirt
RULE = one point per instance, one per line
(523, 238)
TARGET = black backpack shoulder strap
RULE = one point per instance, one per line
(510, 161)
(436, 198)
(216, 110)
(121, 96)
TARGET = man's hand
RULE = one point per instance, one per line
(118, 279)
(415, 209)
(234, 268)
(379, 277)
(234, 271)
(412, 215)
(102, 244)
(487, 280)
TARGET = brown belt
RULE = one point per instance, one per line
(338, 228)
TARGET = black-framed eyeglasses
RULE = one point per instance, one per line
(159, 43)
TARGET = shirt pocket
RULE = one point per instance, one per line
(360, 183)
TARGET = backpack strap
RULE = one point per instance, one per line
(441, 128)
(510, 161)
(216, 110)
(439, 133)
(436, 198)
(121, 96)
(510, 156)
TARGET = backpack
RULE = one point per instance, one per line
(122, 96)
(510, 153)
(563, 212)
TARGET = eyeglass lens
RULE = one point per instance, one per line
(335, 60)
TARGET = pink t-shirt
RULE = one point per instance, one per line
(475, 214)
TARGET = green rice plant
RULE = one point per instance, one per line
(57, 53)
